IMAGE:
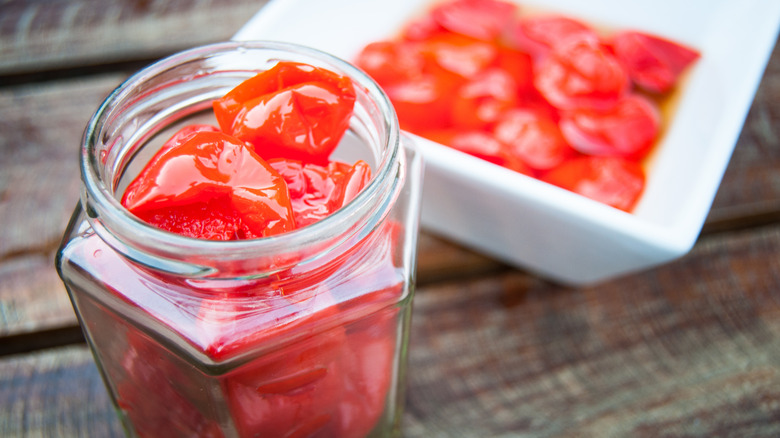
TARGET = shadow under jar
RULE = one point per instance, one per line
(295, 335)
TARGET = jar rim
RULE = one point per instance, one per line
(170, 252)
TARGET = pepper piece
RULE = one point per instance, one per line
(291, 110)
(211, 186)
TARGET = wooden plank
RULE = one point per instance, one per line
(512, 355)
(32, 297)
(38, 35)
(39, 177)
(643, 356)
(39, 186)
(55, 393)
(439, 259)
(749, 191)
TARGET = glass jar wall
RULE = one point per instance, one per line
(299, 334)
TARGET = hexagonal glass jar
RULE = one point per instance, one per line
(299, 334)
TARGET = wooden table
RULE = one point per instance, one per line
(689, 349)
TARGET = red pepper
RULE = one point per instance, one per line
(481, 19)
(527, 92)
(628, 129)
(318, 191)
(291, 111)
(456, 55)
(146, 365)
(480, 102)
(539, 35)
(613, 181)
(581, 74)
(389, 62)
(654, 63)
(533, 138)
(211, 186)
(423, 103)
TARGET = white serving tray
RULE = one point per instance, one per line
(547, 230)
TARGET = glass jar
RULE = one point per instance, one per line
(300, 334)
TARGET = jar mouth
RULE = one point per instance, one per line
(128, 117)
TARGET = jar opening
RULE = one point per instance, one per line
(138, 114)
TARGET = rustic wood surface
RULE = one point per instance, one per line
(690, 349)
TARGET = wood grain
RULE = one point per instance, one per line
(32, 296)
(749, 191)
(42, 128)
(644, 356)
(39, 188)
(55, 393)
(43, 34)
(439, 259)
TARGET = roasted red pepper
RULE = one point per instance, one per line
(581, 74)
(211, 185)
(533, 138)
(627, 129)
(654, 63)
(219, 185)
(292, 110)
(539, 35)
(317, 191)
(529, 92)
(614, 181)
(481, 19)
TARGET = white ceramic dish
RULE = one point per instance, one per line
(550, 231)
